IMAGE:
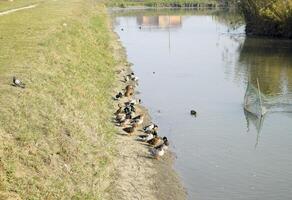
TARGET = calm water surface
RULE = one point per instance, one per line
(201, 62)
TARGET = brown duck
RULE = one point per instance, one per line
(130, 129)
(129, 87)
(157, 141)
(120, 110)
(129, 92)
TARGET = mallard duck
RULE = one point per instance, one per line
(129, 115)
(146, 138)
(17, 82)
(130, 109)
(130, 129)
(133, 102)
(129, 92)
(150, 127)
(136, 101)
(120, 117)
(126, 78)
(164, 145)
(127, 109)
(159, 151)
(118, 96)
(157, 141)
(138, 119)
(129, 87)
(132, 74)
(194, 113)
(156, 153)
(125, 122)
(135, 78)
(120, 109)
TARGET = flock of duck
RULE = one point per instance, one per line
(129, 120)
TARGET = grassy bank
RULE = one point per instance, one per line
(163, 3)
(6, 4)
(56, 136)
(268, 18)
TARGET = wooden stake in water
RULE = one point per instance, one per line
(259, 90)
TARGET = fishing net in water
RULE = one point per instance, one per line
(259, 104)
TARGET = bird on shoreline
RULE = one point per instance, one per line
(129, 108)
(130, 130)
(129, 115)
(129, 92)
(133, 102)
(135, 78)
(159, 150)
(132, 77)
(129, 76)
(146, 138)
(129, 124)
(118, 96)
(138, 119)
(120, 117)
(119, 110)
(164, 145)
(18, 83)
(125, 122)
(129, 87)
(157, 140)
(150, 127)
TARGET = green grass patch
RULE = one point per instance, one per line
(56, 136)
(7, 4)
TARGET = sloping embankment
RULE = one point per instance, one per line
(56, 139)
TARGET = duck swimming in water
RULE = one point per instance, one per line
(193, 113)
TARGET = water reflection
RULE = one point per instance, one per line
(270, 62)
(163, 21)
(215, 155)
(256, 121)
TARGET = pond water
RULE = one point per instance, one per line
(202, 60)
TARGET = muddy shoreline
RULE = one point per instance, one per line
(137, 174)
